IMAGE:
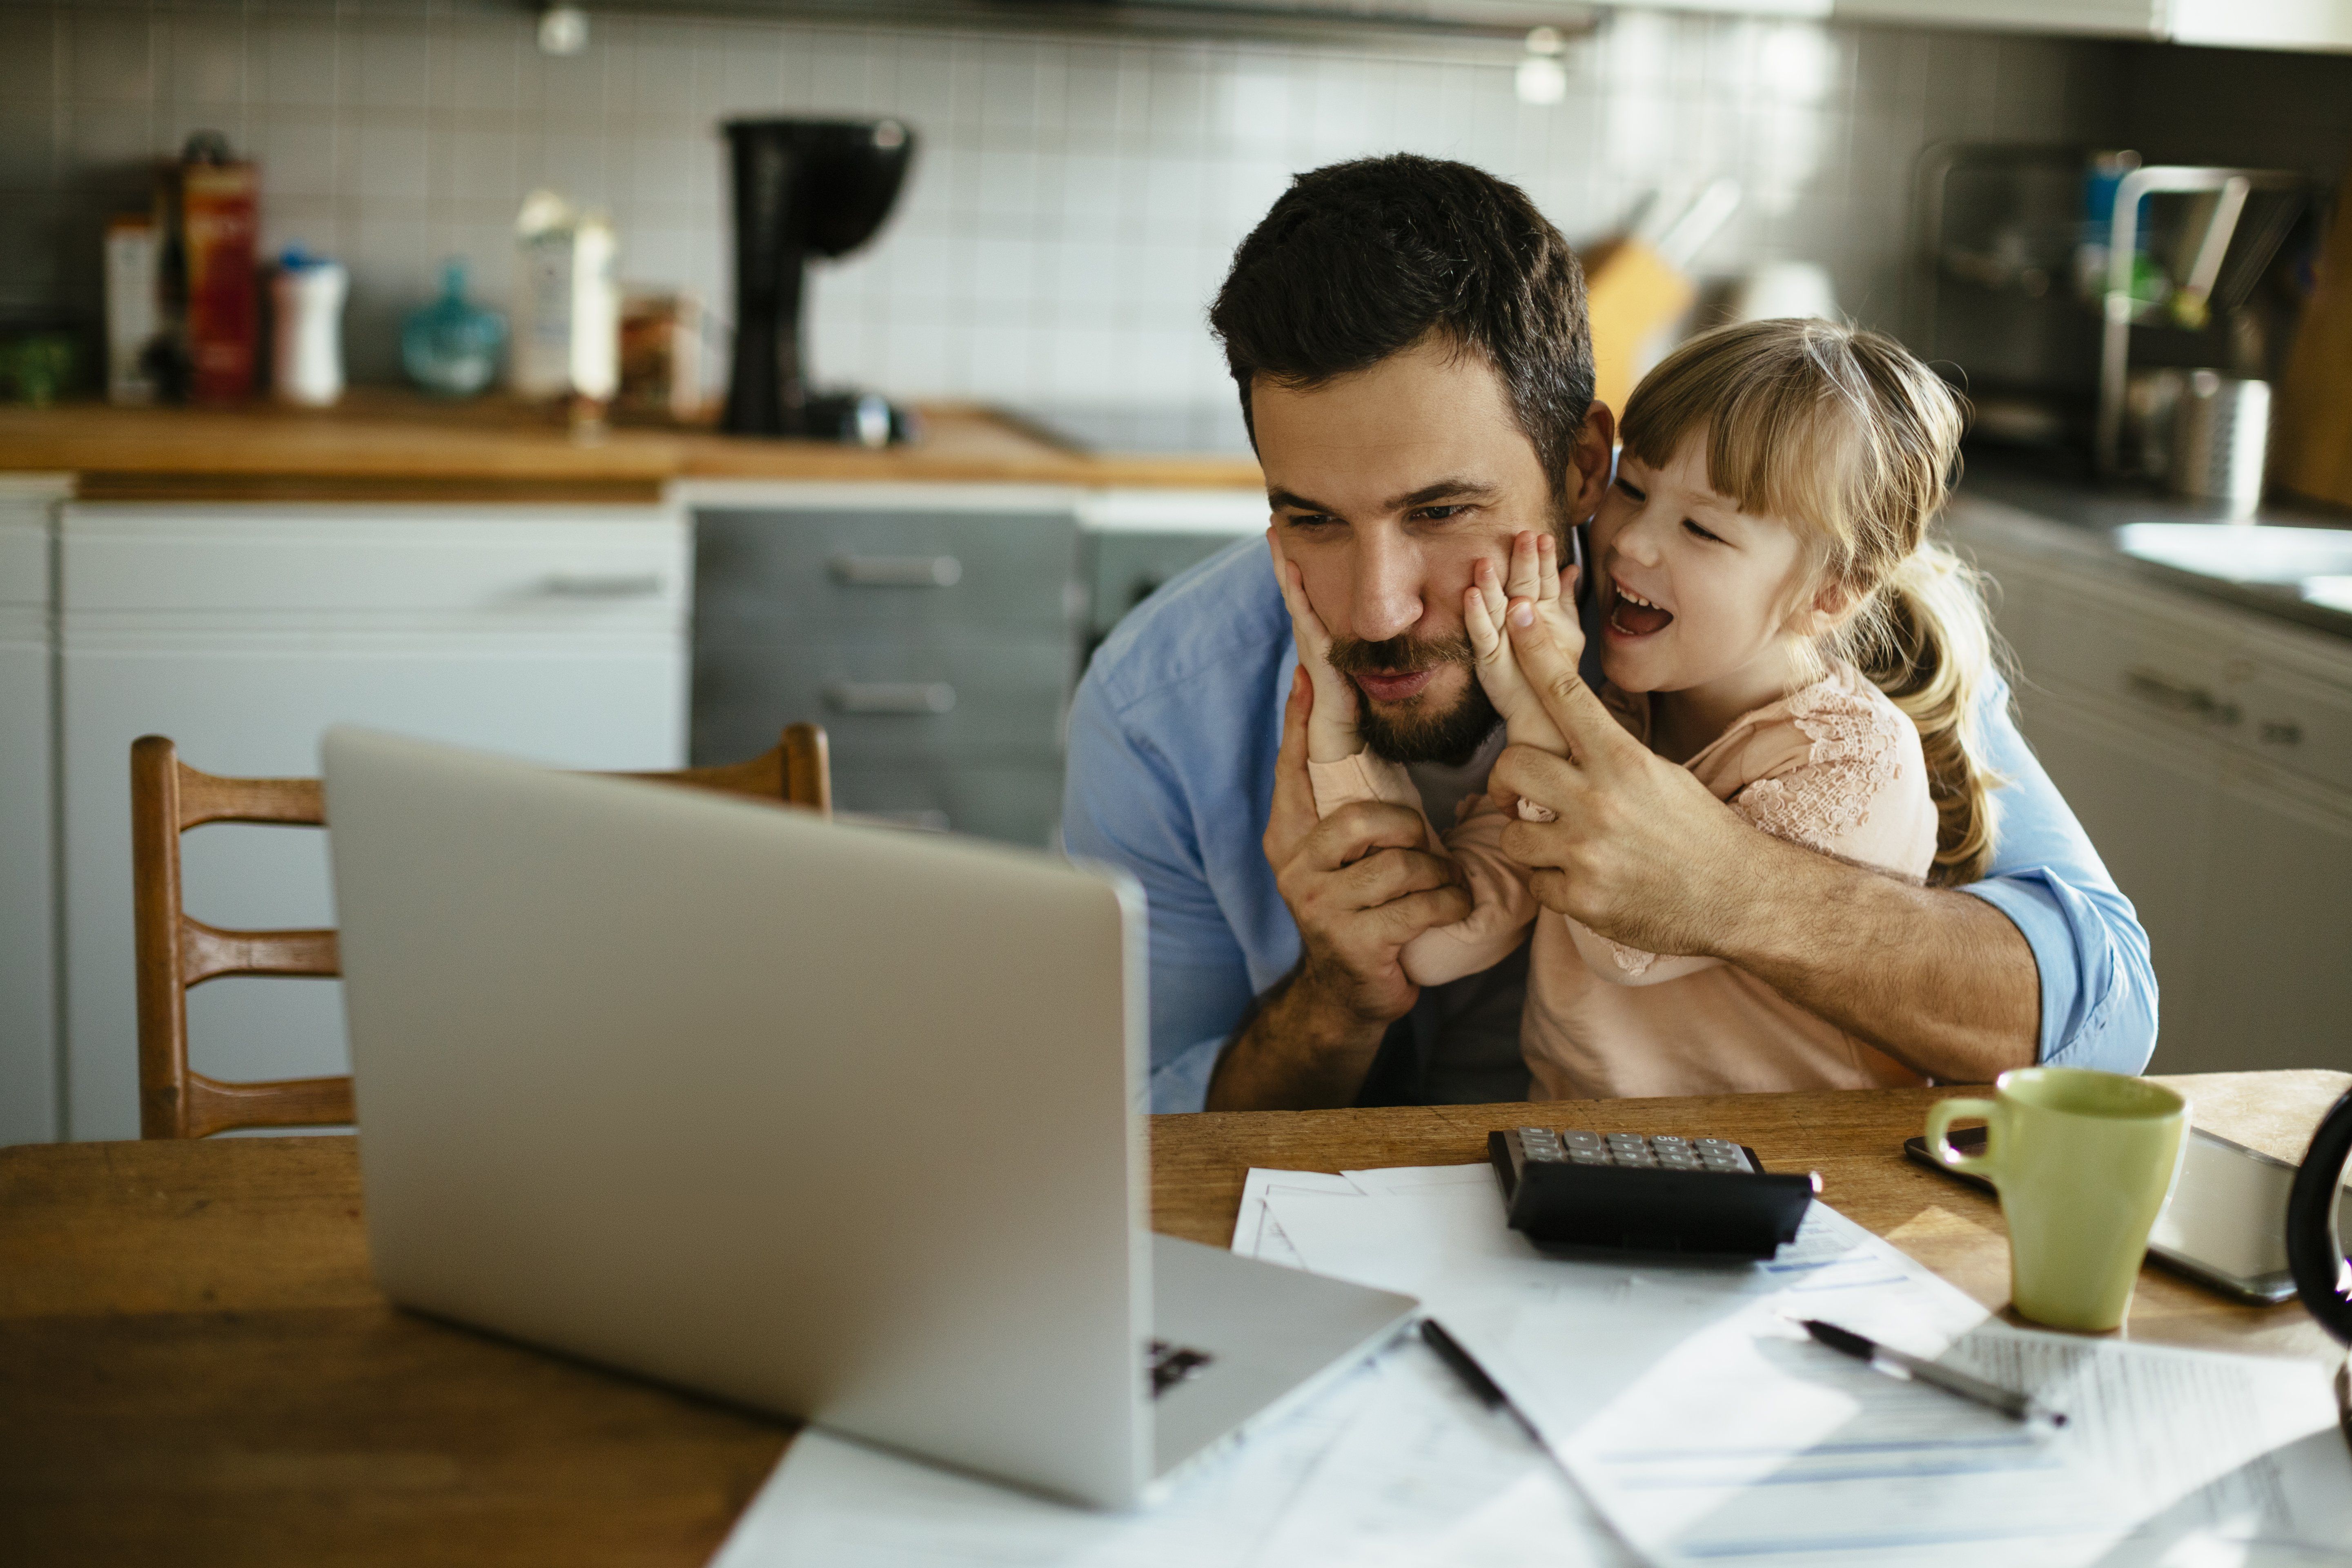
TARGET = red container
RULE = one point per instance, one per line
(220, 217)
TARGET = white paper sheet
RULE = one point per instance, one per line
(1707, 1428)
(1702, 1425)
(1397, 1465)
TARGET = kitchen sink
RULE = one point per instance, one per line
(2315, 563)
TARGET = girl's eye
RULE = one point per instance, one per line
(1625, 488)
(1702, 533)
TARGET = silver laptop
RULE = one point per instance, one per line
(840, 1122)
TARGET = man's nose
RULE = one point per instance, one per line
(1386, 589)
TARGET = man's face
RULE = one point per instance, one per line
(1388, 486)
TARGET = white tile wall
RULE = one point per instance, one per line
(1074, 199)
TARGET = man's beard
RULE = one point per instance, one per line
(1413, 731)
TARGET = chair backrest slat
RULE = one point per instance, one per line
(176, 950)
(207, 953)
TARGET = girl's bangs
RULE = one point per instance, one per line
(1781, 438)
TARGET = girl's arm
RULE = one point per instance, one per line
(1856, 791)
(1501, 907)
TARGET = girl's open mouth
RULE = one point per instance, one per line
(1631, 616)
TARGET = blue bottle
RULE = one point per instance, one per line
(451, 348)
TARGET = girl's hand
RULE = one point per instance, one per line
(1535, 578)
(1332, 734)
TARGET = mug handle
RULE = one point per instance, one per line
(1941, 1117)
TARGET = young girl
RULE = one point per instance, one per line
(1777, 621)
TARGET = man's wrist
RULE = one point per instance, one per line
(1304, 1047)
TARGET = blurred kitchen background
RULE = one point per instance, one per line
(371, 361)
(1078, 193)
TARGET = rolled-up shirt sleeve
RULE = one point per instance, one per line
(2098, 989)
(1123, 803)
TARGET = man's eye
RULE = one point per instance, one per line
(1702, 533)
(1437, 513)
(1309, 520)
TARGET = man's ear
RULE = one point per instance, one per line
(1591, 463)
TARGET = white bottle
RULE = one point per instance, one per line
(567, 339)
(307, 297)
(132, 317)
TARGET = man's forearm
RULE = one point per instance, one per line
(1936, 979)
(1299, 1050)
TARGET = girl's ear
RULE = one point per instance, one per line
(1832, 606)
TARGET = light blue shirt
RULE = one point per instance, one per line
(1173, 741)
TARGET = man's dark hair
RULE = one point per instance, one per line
(1358, 261)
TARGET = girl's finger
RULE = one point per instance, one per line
(1547, 568)
(1488, 585)
(1486, 632)
(1523, 566)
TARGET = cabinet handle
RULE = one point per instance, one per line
(2282, 732)
(897, 570)
(2169, 694)
(910, 697)
(623, 585)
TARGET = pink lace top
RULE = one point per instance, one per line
(1836, 766)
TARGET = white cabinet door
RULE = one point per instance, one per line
(28, 1021)
(2278, 945)
(555, 633)
(2263, 24)
(2149, 810)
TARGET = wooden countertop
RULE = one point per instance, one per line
(390, 446)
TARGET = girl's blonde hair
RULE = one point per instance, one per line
(1845, 435)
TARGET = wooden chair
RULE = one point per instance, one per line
(176, 950)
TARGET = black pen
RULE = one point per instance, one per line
(1474, 1377)
(1899, 1363)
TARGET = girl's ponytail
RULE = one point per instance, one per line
(1927, 645)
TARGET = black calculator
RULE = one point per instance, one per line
(1626, 1191)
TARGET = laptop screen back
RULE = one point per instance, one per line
(836, 1121)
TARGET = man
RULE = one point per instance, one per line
(1410, 345)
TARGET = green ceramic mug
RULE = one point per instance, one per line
(2084, 1162)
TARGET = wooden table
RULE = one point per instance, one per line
(195, 1367)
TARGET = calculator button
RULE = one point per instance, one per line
(1665, 1141)
(1713, 1143)
(1588, 1157)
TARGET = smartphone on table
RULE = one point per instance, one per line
(2225, 1227)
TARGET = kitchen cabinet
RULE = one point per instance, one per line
(2314, 25)
(28, 1018)
(937, 631)
(2207, 751)
(555, 633)
(2097, 18)
(930, 629)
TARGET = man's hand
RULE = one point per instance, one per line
(1641, 850)
(1644, 853)
(1360, 883)
(1332, 734)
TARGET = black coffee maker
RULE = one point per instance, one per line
(803, 188)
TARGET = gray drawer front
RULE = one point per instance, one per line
(883, 700)
(795, 573)
(1125, 569)
(1019, 804)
